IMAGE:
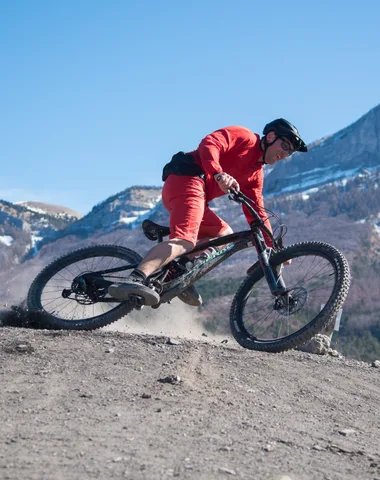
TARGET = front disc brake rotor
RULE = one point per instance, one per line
(291, 302)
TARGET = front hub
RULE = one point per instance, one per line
(291, 302)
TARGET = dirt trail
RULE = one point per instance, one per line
(100, 405)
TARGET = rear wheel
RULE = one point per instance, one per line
(317, 283)
(71, 292)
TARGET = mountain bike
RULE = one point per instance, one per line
(276, 307)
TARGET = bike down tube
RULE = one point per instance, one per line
(276, 285)
(244, 240)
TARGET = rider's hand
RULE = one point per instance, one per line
(226, 182)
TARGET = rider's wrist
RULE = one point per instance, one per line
(217, 176)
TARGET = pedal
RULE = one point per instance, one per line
(135, 293)
(137, 301)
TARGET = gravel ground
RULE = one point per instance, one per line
(110, 405)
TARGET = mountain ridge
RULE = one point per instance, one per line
(48, 208)
(343, 211)
(338, 156)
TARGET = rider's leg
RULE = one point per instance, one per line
(212, 227)
(157, 257)
(227, 231)
(163, 253)
(185, 199)
(190, 296)
(190, 219)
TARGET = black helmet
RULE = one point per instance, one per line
(283, 128)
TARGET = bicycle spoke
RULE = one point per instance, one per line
(309, 281)
(79, 306)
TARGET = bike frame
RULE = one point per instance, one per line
(232, 243)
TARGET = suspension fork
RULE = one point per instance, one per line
(275, 283)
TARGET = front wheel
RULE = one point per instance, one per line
(72, 292)
(317, 283)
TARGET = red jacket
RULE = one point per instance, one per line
(236, 151)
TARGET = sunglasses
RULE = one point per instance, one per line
(286, 146)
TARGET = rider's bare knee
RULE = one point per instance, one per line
(181, 244)
(227, 231)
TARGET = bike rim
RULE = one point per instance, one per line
(310, 282)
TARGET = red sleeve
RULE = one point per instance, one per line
(256, 195)
(219, 142)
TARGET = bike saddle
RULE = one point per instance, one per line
(153, 231)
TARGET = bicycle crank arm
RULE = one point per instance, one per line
(66, 294)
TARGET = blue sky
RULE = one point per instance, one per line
(96, 95)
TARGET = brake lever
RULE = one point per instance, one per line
(279, 243)
(234, 195)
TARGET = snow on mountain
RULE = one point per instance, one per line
(57, 211)
(125, 209)
(6, 240)
(34, 224)
(27, 223)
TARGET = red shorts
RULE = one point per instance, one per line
(190, 216)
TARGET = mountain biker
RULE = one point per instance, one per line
(230, 157)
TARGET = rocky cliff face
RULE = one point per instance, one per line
(127, 208)
(24, 225)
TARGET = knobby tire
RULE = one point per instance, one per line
(50, 321)
(322, 320)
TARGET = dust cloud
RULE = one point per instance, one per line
(173, 320)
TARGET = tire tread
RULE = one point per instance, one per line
(49, 321)
(320, 322)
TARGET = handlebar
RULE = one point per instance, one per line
(239, 197)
